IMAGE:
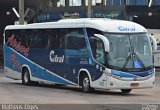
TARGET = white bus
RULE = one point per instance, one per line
(90, 53)
(156, 54)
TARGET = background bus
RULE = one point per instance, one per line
(156, 34)
(92, 53)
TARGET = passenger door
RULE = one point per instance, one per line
(75, 53)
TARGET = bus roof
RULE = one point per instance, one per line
(102, 24)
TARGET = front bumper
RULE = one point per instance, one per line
(113, 83)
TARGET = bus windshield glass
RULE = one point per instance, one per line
(129, 51)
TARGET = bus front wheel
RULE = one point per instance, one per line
(86, 84)
(26, 77)
(126, 90)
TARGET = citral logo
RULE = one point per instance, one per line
(55, 58)
(121, 28)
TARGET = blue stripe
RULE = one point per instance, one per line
(36, 70)
(123, 74)
(133, 74)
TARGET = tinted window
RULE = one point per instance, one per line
(155, 2)
(116, 2)
(109, 2)
(138, 2)
(16, 37)
(56, 38)
(97, 46)
(75, 42)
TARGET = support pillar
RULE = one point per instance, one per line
(67, 3)
(103, 2)
(21, 11)
(83, 2)
(89, 8)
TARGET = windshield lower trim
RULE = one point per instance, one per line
(131, 69)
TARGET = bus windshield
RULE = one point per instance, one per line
(129, 51)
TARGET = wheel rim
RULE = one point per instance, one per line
(86, 83)
(26, 77)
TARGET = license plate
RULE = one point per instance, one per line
(134, 84)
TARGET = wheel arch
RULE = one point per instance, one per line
(26, 67)
(81, 73)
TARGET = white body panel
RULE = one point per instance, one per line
(109, 82)
(119, 84)
(12, 74)
(105, 25)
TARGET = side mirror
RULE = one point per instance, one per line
(154, 42)
(105, 41)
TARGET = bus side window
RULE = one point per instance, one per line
(23, 37)
(32, 40)
(75, 42)
(27, 38)
(46, 38)
(50, 41)
(36, 40)
(58, 40)
(97, 46)
(91, 32)
(55, 39)
(62, 34)
(13, 33)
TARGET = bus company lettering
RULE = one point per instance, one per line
(56, 58)
(17, 45)
(121, 28)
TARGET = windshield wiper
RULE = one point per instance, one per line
(133, 56)
(136, 56)
(128, 58)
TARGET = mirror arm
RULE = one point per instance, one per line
(105, 41)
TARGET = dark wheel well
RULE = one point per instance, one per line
(23, 70)
(81, 76)
(126, 91)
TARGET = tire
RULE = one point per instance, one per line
(126, 91)
(26, 77)
(86, 84)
